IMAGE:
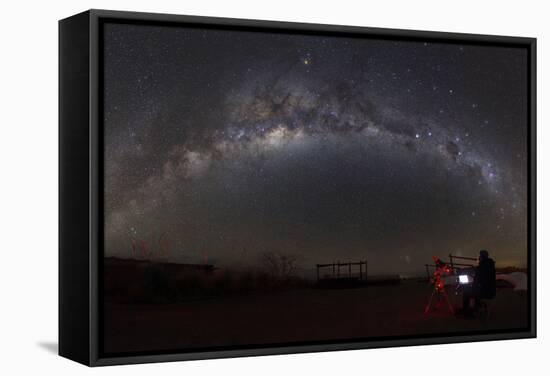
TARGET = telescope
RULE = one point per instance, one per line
(441, 269)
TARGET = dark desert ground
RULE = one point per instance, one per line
(294, 314)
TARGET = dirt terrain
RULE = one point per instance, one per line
(306, 314)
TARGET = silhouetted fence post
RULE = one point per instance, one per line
(317, 272)
(428, 271)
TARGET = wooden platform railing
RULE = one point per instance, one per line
(454, 265)
(355, 268)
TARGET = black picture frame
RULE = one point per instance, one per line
(81, 174)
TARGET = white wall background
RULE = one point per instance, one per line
(28, 188)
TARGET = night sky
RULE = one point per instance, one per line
(229, 144)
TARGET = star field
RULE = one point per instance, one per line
(328, 148)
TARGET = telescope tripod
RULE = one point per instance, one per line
(439, 292)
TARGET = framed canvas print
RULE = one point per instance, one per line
(236, 187)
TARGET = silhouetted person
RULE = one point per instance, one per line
(483, 286)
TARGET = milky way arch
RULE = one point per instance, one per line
(290, 155)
